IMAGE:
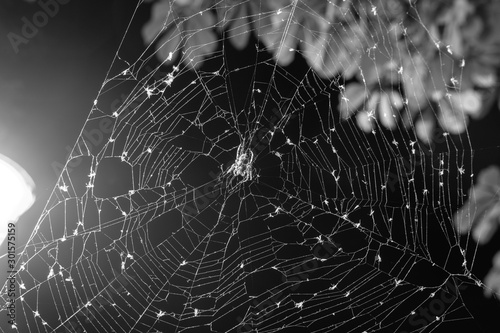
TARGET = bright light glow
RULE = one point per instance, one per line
(16, 193)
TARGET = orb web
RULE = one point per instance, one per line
(219, 190)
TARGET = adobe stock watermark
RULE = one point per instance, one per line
(427, 314)
(322, 251)
(30, 26)
(12, 287)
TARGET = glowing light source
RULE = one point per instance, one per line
(16, 193)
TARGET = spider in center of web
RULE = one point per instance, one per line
(242, 165)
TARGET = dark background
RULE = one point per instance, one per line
(48, 87)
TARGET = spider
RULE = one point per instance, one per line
(242, 166)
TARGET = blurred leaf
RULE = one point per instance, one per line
(482, 198)
(355, 94)
(387, 114)
(162, 15)
(451, 120)
(169, 43)
(364, 121)
(239, 33)
(424, 127)
(280, 37)
(414, 77)
(203, 41)
(235, 17)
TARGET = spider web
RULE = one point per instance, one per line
(226, 193)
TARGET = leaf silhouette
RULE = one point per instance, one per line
(481, 213)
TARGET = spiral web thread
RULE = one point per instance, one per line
(231, 195)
